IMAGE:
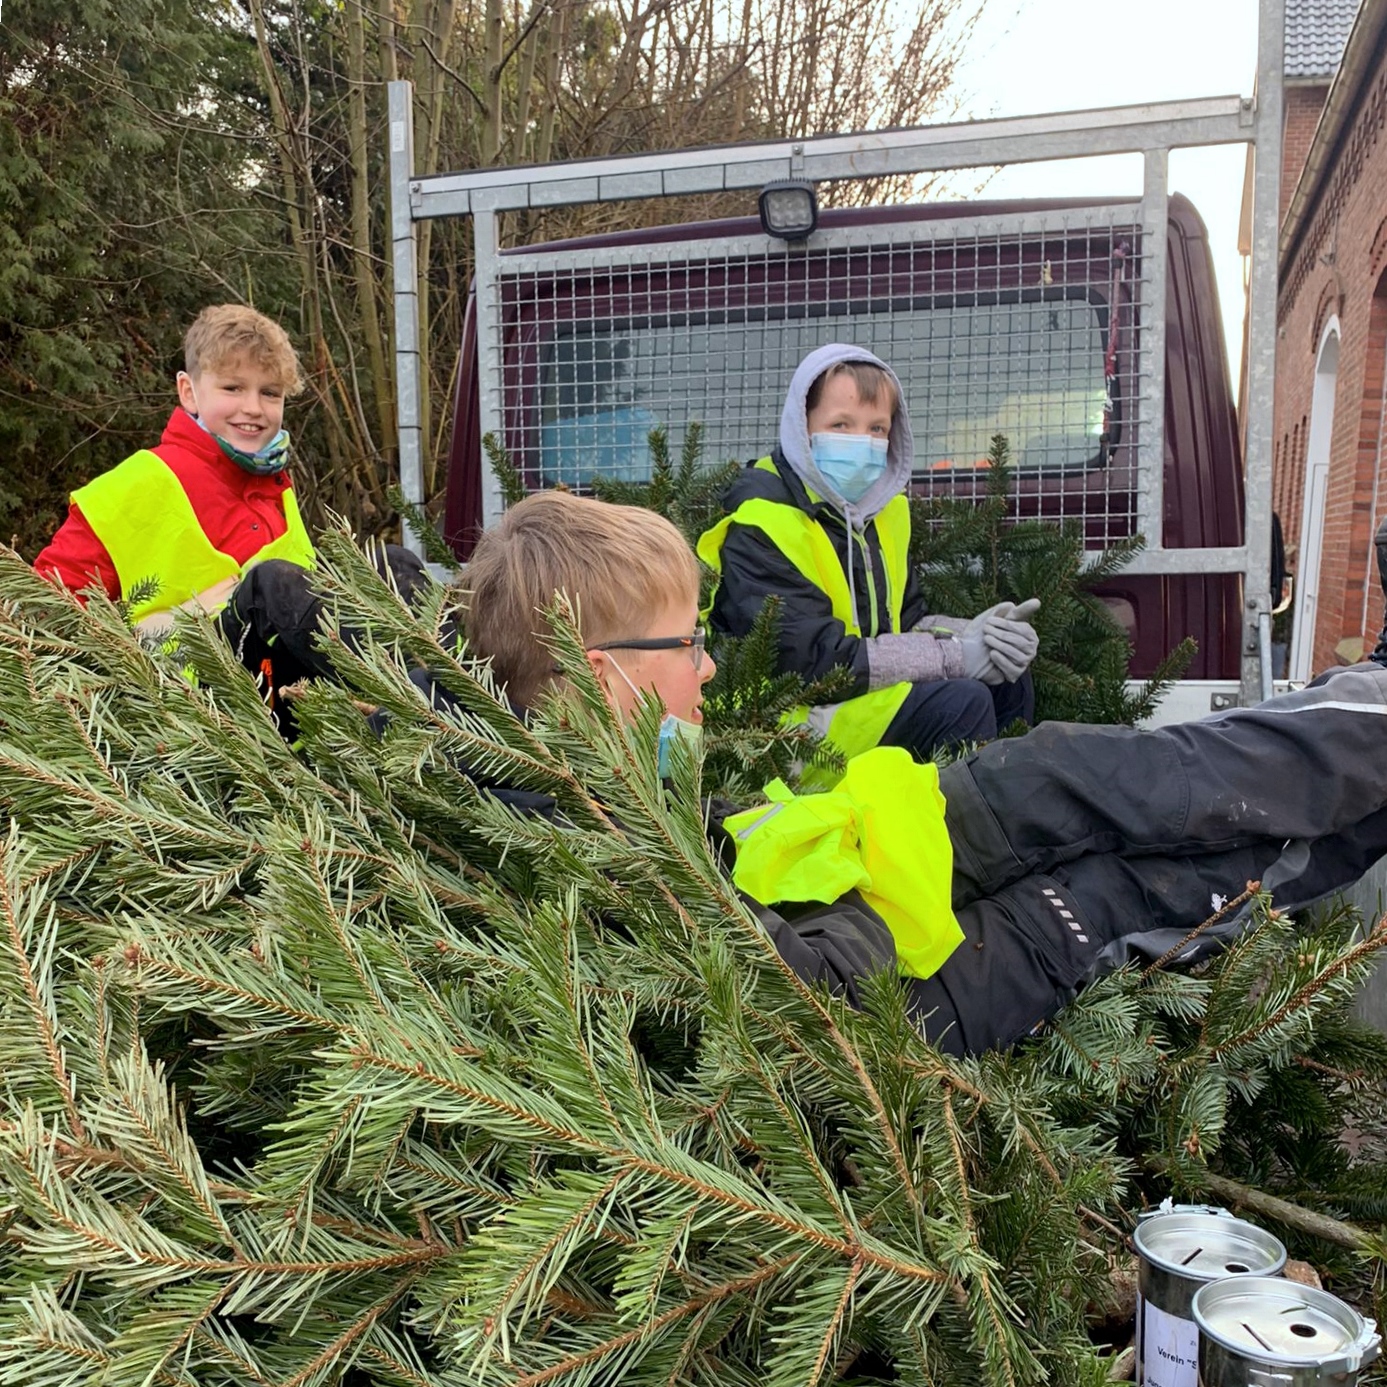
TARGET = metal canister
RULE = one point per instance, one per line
(1262, 1331)
(1181, 1247)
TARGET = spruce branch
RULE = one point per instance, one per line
(1335, 971)
(508, 477)
(1229, 907)
(362, 1052)
(1317, 1225)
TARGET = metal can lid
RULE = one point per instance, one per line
(1205, 1246)
(1275, 1321)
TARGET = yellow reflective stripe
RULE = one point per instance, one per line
(142, 515)
(893, 534)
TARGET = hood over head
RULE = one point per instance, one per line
(794, 434)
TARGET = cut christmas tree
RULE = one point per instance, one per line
(327, 1064)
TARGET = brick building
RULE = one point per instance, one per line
(1328, 483)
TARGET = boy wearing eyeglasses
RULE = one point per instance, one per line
(1036, 864)
(633, 582)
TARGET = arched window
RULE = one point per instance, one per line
(1307, 585)
(1372, 423)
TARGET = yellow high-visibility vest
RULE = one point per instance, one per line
(857, 724)
(880, 831)
(141, 513)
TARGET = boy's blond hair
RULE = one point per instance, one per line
(228, 332)
(620, 566)
(869, 378)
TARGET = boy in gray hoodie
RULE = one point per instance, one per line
(823, 524)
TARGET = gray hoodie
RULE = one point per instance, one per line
(794, 436)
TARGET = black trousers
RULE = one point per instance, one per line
(946, 712)
(1078, 849)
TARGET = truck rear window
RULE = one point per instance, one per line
(1028, 364)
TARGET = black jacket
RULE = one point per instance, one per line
(810, 639)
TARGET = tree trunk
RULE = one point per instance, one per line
(363, 264)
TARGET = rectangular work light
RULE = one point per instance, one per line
(789, 210)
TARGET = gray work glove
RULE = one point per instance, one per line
(977, 657)
(1010, 638)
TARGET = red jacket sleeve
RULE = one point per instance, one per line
(76, 558)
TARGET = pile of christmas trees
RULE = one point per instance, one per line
(324, 1064)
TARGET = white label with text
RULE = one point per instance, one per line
(1169, 1348)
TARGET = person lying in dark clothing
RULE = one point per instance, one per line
(1000, 885)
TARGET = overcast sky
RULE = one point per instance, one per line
(1029, 56)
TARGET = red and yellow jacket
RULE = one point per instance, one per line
(239, 516)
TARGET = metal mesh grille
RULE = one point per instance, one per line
(1003, 328)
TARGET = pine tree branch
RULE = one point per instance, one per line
(1227, 908)
(627, 1159)
(1322, 1226)
(835, 1322)
(139, 959)
(800, 1137)
(960, 1164)
(194, 1326)
(577, 1222)
(394, 1366)
(331, 1352)
(848, 1250)
(1337, 968)
(314, 1160)
(983, 1277)
(242, 1363)
(725, 1291)
(39, 1008)
(195, 1189)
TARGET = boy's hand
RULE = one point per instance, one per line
(978, 661)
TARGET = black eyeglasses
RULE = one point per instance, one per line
(693, 644)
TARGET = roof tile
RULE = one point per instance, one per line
(1316, 32)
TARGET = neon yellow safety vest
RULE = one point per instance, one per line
(141, 513)
(880, 831)
(857, 724)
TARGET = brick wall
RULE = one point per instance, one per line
(1338, 270)
(1301, 113)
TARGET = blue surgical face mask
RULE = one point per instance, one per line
(849, 462)
(672, 729)
(265, 462)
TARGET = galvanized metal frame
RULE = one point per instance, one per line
(870, 154)
(1151, 129)
(404, 257)
(1261, 349)
(520, 263)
